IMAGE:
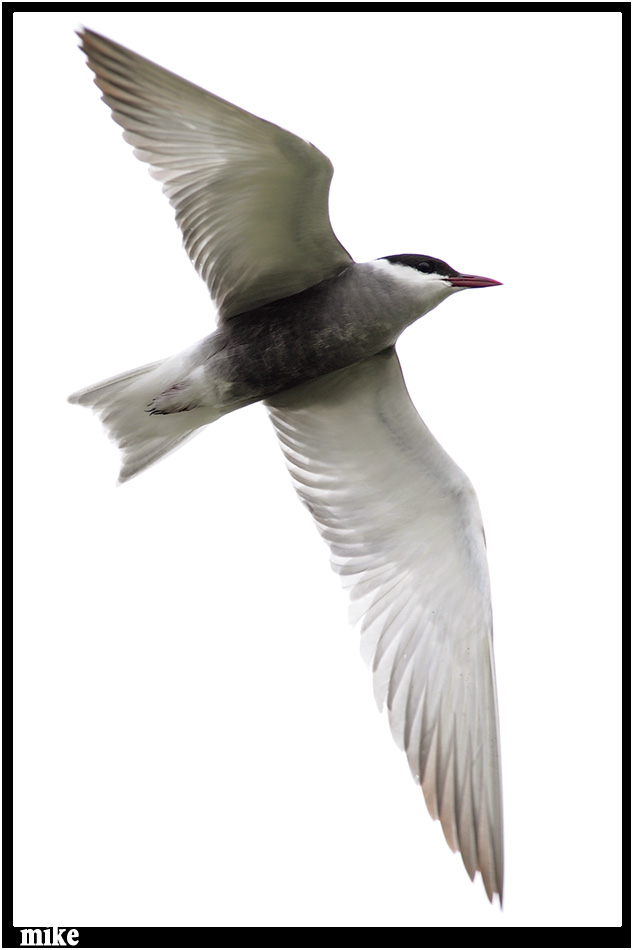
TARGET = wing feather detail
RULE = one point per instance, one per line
(405, 534)
(250, 198)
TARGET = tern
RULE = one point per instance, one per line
(312, 333)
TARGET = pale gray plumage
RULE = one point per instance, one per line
(405, 534)
(216, 161)
(311, 332)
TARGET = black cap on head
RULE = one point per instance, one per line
(423, 263)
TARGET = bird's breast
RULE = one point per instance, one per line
(297, 339)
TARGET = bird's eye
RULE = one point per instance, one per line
(425, 267)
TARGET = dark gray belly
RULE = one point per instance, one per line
(291, 341)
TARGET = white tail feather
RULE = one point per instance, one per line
(122, 404)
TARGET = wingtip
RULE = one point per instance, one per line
(492, 889)
(84, 34)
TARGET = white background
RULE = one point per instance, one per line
(197, 742)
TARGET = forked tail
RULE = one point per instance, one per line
(123, 404)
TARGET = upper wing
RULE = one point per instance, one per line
(404, 529)
(251, 199)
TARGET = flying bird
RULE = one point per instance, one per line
(312, 333)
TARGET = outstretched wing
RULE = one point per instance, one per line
(251, 199)
(405, 534)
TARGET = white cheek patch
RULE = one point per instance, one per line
(410, 276)
(426, 290)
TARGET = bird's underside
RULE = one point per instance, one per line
(401, 519)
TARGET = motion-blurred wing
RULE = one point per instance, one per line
(405, 533)
(251, 199)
